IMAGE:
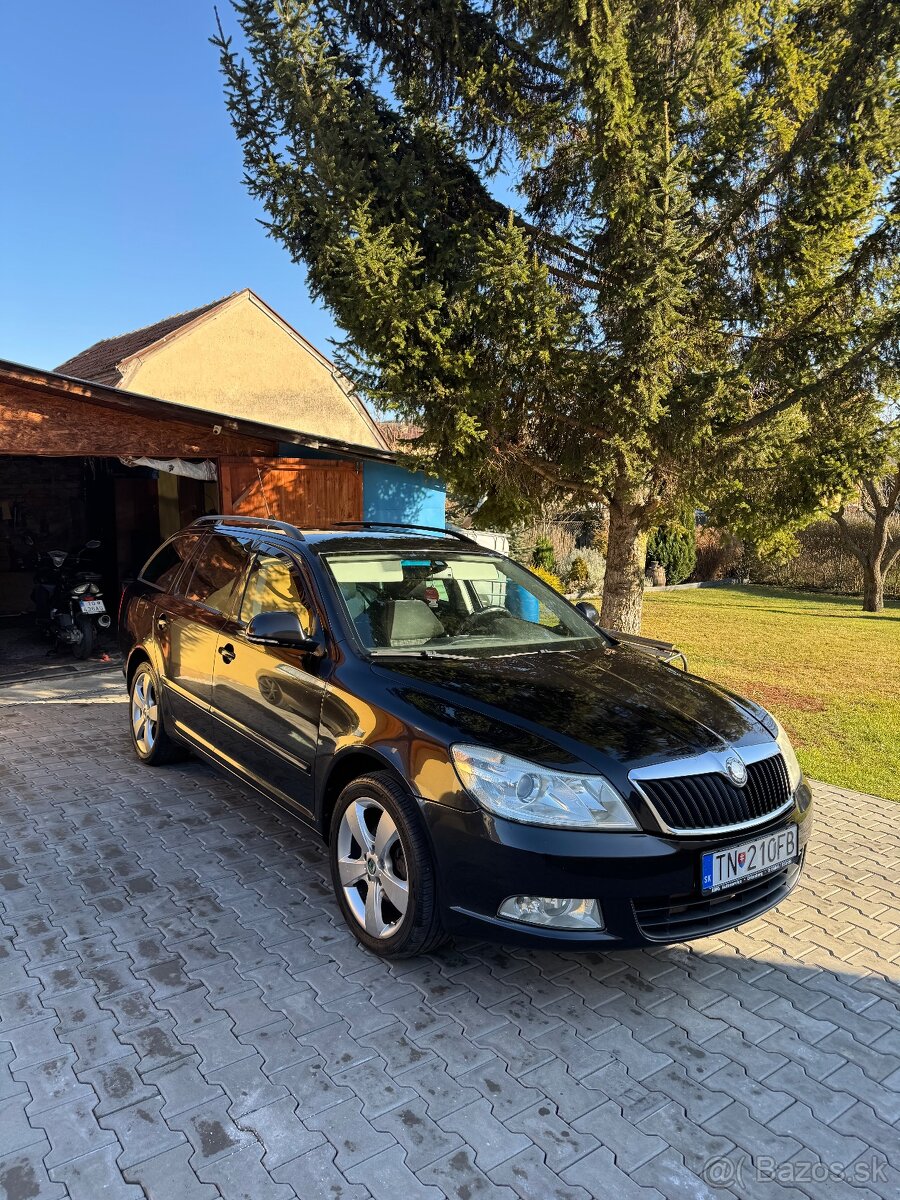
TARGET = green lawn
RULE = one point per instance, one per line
(827, 670)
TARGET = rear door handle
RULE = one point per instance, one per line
(227, 652)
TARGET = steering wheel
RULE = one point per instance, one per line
(474, 622)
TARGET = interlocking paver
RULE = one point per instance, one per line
(572, 1099)
(560, 1142)
(36, 1042)
(172, 967)
(182, 1086)
(312, 1086)
(16, 1132)
(95, 1175)
(246, 1086)
(169, 1176)
(351, 1134)
(493, 1141)
(51, 1083)
(763, 1099)
(95, 1044)
(216, 1044)
(457, 1175)
(634, 1099)
(423, 1139)
(441, 1093)
(533, 1179)
(315, 1174)
(387, 1175)
(23, 1175)
(280, 1131)
(72, 1130)
(669, 1177)
(505, 1094)
(241, 1173)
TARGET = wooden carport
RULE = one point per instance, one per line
(261, 470)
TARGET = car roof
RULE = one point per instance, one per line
(371, 539)
(362, 538)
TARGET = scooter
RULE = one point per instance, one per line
(69, 601)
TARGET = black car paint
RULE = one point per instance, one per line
(608, 708)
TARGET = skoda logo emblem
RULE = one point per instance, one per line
(736, 771)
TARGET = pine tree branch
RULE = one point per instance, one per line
(547, 472)
(795, 396)
(858, 52)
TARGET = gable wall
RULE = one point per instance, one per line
(240, 362)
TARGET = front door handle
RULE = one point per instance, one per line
(227, 652)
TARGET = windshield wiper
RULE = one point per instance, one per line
(417, 654)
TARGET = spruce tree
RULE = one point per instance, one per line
(693, 297)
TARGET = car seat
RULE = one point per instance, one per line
(408, 623)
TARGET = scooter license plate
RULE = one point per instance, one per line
(92, 606)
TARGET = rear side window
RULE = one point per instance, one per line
(221, 564)
(165, 566)
(273, 586)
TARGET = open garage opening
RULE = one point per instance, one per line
(59, 504)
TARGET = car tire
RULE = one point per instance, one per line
(149, 736)
(376, 818)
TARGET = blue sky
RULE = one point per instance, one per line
(121, 200)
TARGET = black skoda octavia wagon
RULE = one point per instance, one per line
(479, 757)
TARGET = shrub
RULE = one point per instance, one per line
(594, 565)
(548, 577)
(821, 562)
(550, 527)
(544, 555)
(674, 547)
(577, 574)
(718, 554)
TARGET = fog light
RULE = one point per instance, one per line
(558, 914)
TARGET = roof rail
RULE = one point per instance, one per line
(262, 523)
(405, 525)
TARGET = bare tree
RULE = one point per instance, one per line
(875, 541)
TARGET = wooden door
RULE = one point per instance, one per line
(309, 493)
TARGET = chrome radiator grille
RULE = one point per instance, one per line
(711, 800)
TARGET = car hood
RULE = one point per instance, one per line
(570, 706)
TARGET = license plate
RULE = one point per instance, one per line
(93, 606)
(749, 860)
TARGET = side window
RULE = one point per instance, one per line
(164, 567)
(273, 586)
(219, 567)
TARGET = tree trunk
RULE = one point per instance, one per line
(873, 586)
(623, 582)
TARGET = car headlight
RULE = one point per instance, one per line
(522, 791)
(795, 774)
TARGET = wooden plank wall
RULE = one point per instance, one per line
(36, 422)
(313, 494)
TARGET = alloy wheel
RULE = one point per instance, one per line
(373, 868)
(144, 712)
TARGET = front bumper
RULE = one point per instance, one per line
(648, 885)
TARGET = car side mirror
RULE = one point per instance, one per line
(589, 612)
(282, 629)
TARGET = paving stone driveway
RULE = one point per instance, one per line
(183, 1016)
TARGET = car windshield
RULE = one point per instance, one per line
(453, 603)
